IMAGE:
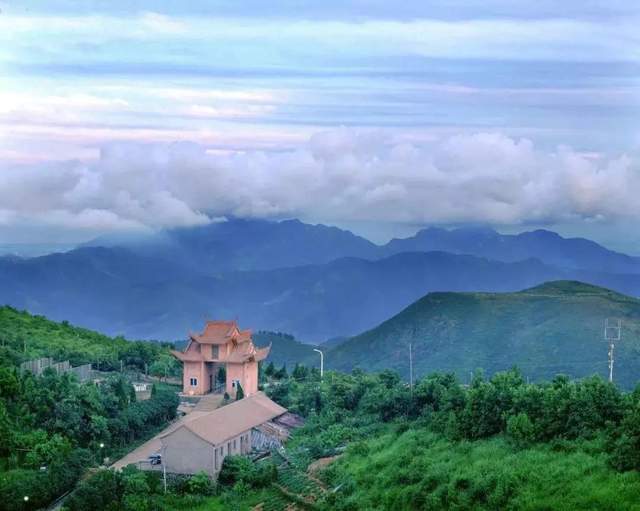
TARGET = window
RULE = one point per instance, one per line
(234, 444)
(215, 351)
(228, 447)
(194, 382)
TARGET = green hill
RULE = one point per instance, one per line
(24, 336)
(286, 350)
(553, 328)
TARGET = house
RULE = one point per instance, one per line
(201, 440)
(221, 345)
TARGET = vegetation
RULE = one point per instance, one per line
(52, 427)
(285, 349)
(553, 328)
(24, 337)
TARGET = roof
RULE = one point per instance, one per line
(221, 332)
(231, 420)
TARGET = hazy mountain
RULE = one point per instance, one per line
(118, 292)
(553, 328)
(549, 247)
(166, 284)
(240, 244)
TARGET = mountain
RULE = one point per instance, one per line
(547, 246)
(119, 292)
(239, 244)
(242, 244)
(286, 350)
(556, 327)
(283, 276)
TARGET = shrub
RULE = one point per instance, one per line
(520, 429)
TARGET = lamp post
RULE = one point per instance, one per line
(321, 362)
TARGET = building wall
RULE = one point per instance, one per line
(183, 452)
(246, 374)
(195, 370)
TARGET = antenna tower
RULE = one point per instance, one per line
(612, 334)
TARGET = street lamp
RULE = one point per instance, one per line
(101, 445)
(26, 498)
(321, 362)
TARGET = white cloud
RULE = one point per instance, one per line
(337, 176)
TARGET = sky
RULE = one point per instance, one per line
(383, 117)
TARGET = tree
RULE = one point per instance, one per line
(239, 392)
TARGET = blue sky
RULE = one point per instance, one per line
(382, 116)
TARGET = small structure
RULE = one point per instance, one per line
(221, 345)
(201, 440)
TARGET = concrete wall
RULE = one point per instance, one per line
(195, 370)
(246, 374)
(184, 452)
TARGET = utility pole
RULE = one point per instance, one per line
(321, 362)
(612, 334)
(411, 368)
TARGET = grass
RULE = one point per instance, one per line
(422, 470)
(234, 502)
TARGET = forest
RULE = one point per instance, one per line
(370, 441)
(53, 429)
(498, 443)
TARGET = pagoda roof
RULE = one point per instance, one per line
(241, 350)
(221, 332)
(246, 352)
(191, 356)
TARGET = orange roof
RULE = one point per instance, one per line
(245, 352)
(188, 357)
(223, 332)
(231, 420)
(217, 332)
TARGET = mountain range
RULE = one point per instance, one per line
(312, 281)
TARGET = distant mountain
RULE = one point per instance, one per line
(312, 281)
(547, 246)
(286, 350)
(240, 244)
(553, 328)
(119, 292)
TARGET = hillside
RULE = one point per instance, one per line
(549, 329)
(24, 336)
(285, 349)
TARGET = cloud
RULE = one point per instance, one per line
(336, 176)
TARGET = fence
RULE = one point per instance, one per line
(38, 366)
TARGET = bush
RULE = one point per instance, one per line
(200, 484)
(520, 429)
(239, 469)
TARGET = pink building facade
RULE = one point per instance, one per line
(221, 345)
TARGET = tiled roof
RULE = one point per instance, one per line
(242, 348)
(217, 332)
(191, 356)
(231, 420)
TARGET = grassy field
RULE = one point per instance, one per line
(422, 470)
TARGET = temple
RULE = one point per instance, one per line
(221, 345)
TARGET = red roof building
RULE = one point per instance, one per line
(221, 345)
